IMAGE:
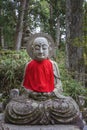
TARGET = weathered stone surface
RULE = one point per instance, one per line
(14, 93)
(46, 112)
(37, 127)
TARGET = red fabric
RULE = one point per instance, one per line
(39, 76)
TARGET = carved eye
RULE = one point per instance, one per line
(45, 47)
(37, 47)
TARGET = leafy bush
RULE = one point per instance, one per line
(12, 69)
(70, 86)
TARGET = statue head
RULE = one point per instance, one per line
(40, 46)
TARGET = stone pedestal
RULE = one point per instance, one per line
(5, 126)
(37, 127)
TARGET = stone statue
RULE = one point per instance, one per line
(45, 103)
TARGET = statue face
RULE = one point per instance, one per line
(40, 48)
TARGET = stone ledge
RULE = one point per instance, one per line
(37, 127)
(5, 126)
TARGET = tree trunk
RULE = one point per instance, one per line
(58, 32)
(1, 33)
(26, 28)
(51, 22)
(74, 53)
(19, 28)
(2, 38)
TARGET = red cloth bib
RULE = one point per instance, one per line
(39, 76)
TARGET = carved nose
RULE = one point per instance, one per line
(41, 50)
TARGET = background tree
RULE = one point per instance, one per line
(37, 14)
(19, 26)
(85, 37)
(1, 27)
(74, 34)
(56, 21)
(7, 22)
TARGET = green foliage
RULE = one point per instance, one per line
(39, 15)
(81, 43)
(70, 86)
(12, 69)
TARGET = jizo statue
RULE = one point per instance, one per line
(45, 103)
(45, 77)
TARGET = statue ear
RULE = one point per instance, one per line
(32, 47)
